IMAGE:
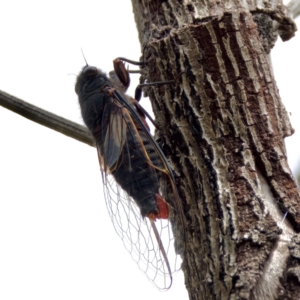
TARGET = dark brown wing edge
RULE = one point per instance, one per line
(163, 252)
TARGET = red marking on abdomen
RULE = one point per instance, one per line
(163, 210)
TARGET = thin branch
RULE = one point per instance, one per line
(294, 7)
(45, 118)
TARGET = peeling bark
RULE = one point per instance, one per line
(223, 126)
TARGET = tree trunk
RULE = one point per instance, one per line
(222, 125)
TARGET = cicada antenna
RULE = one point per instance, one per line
(84, 56)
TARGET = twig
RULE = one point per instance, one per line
(45, 118)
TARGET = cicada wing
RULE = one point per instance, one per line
(114, 137)
(163, 166)
(151, 245)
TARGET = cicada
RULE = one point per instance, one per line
(134, 169)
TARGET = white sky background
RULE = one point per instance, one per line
(56, 238)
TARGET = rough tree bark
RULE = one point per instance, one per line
(223, 127)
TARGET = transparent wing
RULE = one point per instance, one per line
(150, 244)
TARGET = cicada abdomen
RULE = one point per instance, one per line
(132, 166)
(137, 172)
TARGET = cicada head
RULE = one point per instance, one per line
(89, 87)
(90, 79)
